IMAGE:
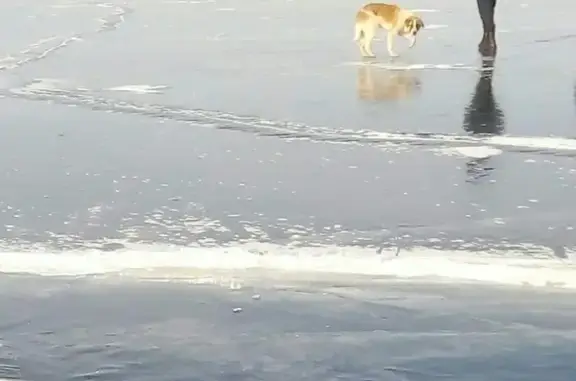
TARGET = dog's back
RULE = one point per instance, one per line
(378, 12)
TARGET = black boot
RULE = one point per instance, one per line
(487, 46)
(486, 9)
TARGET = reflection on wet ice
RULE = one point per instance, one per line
(378, 84)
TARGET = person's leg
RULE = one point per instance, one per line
(486, 10)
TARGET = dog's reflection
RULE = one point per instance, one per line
(483, 116)
(378, 84)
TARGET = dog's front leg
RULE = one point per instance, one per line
(390, 44)
(412, 40)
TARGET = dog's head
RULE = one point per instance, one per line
(412, 25)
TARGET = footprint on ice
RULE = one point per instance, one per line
(480, 152)
(140, 89)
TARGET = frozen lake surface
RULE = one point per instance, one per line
(402, 219)
(341, 328)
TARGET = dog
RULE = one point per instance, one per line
(397, 21)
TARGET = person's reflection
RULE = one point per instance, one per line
(483, 116)
(378, 84)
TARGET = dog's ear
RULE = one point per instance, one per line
(420, 24)
(408, 23)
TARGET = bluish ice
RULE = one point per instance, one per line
(226, 190)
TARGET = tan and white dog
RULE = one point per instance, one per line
(397, 21)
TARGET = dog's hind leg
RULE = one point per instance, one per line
(364, 52)
(359, 37)
(369, 34)
(358, 33)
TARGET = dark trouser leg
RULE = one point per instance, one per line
(486, 9)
